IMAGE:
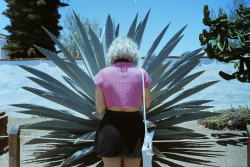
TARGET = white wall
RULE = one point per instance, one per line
(12, 78)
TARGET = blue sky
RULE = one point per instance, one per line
(179, 12)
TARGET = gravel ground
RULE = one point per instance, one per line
(232, 153)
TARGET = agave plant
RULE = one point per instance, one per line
(168, 80)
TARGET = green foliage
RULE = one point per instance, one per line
(26, 18)
(229, 9)
(233, 119)
(79, 122)
(227, 40)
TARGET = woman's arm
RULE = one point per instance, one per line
(147, 98)
(99, 100)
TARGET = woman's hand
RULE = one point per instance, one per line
(99, 100)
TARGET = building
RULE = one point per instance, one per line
(3, 53)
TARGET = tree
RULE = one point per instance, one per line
(26, 18)
(229, 9)
(165, 112)
(228, 40)
(68, 40)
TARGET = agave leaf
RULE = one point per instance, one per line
(165, 93)
(131, 32)
(80, 47)
(184, 59)
(180, 73)
(86, 46)
(117, 30)
(184, 118)
(193, 152)
(87, 101)
(167, 48)
(60, 45)
(53, 160)
(47, 139)
(162, 114)
(56, 90)
(192, 103)
(177, 128)
(153, 65)
(173, 137)
(159, 72)
(60, 63)
(98, 115)
(139, 33)
(183, 95)
(59, 134)
(58, 152)
(87, 136)
(154, 46)
(157, 152)
(59, 125)
(77, 155)
(57, 114)
(63, 101)
(156, 164)
(98, 49)
(57, 60)
(176, 112)
(138, 27)
(150, 124)
(83, 78)
(109, 32)
(114, 28)
(177, 157)
(48, 78)
(100, 164)
(176, 36)
(166, 131)
(190, 92)
(88, 160)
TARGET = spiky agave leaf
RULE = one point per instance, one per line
(79, 123)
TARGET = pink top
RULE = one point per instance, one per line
(121, 84)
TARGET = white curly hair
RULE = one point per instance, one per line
(123, 47)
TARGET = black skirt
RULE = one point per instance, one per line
(120, 134)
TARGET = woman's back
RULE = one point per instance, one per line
(121, 85)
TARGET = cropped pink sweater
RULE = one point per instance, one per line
(121, 84)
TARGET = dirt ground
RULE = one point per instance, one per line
(234, 153)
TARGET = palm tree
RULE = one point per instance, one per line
(163, 115)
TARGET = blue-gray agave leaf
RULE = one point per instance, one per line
(77, 155)
(140, 32)
(86, 46)
(72, 131)
(154, 46)
(117, 30)
(98, 49)
(131, 32)
(60, 45)
(109, 32)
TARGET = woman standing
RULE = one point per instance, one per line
(120, 135)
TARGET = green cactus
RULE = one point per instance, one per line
(229, 41)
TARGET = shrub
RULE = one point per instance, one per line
(233, 119)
